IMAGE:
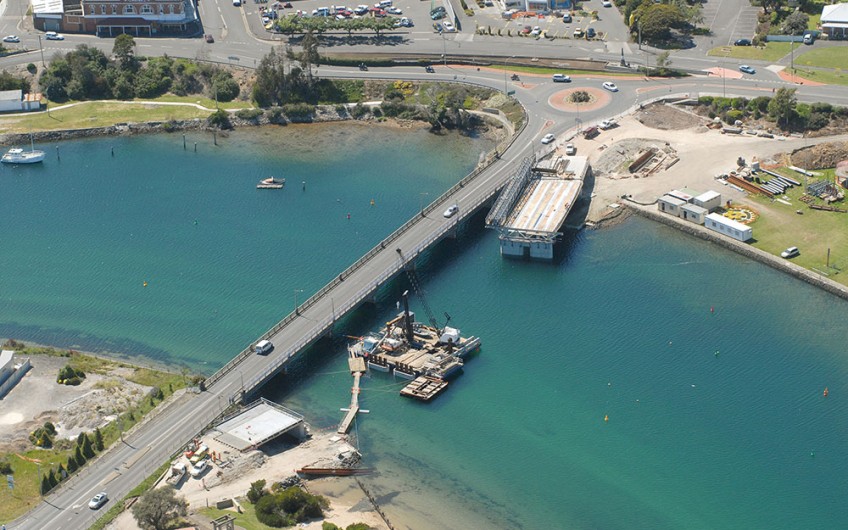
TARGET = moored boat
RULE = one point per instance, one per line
(271, 183)
(16, 155)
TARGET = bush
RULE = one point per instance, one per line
(5, 467)
(69, 376)
(290, 506)
(359, 110)
(580, 96)
(298, 110)
(31, 68)
(732, 115)
(257, 491)
(817, 120)
(220, 119)
(247, 114)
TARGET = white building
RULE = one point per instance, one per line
(670, 205)
(834, 21)
(17, 101)
(729, 227)
(10, 373)
(694, 213)
(709, 200)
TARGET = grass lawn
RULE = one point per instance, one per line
(246, 520)
(772, 51)
(830, 77)
(814, 21)
(825, 57)
(99, 114)
(779, 227)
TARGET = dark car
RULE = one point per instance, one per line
(438, 27)
(429, 69)
(590, 33)
(439, 9)
(742, 42)
(438, 15)
(209, 38)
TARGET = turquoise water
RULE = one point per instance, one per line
(709, 367)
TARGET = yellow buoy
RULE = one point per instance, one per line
(145, 284)
(606, 417)
(372, 202)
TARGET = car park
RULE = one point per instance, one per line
(790, 252)
(448, 27)
(747, 69)
(561, 78)
(98, 500)
(199, 468)
(11, 38)
(610, 86)
(742, 42)
(570, 150)
(52, 35)
(548, 138)
(451, 211)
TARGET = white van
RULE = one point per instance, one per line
(384, 3)
(237, 3)
(263, 347)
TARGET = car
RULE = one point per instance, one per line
(199, 468)
(809, 38)
(448, 27)
(610, 86)
(394, 11)
(570, 149)
(98, 500)
(561, 78)
(438, 9)
(429, 69)
(437, 27)
(567, 18)
(742, 42)
(438, 15)
(790, 252)
(406, 22)
(451, 211)
(607, 124)
(606, 3)
(590, 33)
(52, 35)
(210, 38)
(747, 69)
(11, 38)
(578, 33)
(536, 30)
(548, 138)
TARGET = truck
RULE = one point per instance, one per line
(177, 474)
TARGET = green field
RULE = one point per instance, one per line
(813, 232)
(772, 51)
(826, 57)
(830, 77)
(246, 520)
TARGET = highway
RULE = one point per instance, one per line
(144, 449)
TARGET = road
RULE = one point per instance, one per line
(127, 463)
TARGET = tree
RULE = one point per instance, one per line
(45, 485)
(795, 23)
(663, 62)
(309, 56)
(657, 21)
(87, 449)
(98, 439)
(770, 6)
(72, 464)
(781, 105)
(257, 491)
(79, 457)
(51, 479)
(157, 508)
(124, 51)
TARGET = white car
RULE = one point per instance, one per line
(394, 11)
(790, 252)
(98, 500)
(606, 3)
(607, 124)
(448, 27)
(548, 138)
(11, 38)
(561, 78)
(536, 30)
(199, 468)
(570, 150)
(52, 35)
(610, 86)
(451, 211)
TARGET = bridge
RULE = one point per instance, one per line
(165, 431)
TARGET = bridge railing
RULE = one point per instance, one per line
(501, 148)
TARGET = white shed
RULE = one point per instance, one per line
(694, 213)
(10, 100)
(729, 227)
(683, 195)
(670, 205)
(709, 200)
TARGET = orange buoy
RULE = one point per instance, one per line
(826, 392)
(145, 284)
(606, 417)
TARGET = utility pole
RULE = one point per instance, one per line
(42, 51)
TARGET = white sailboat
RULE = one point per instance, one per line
(16, 155)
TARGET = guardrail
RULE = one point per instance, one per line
(490, 159)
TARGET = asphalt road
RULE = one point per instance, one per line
(128, 463)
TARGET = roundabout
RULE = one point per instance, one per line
(598, 99)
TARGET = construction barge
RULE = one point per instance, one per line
(411, 350)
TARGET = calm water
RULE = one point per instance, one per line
(710, 368)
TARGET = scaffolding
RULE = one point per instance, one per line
(510, 194)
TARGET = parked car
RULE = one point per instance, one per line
(437, 9)
(606, 3)
(561, 78)
(590, 33)
(209, 38)
(570, 149)
(607, 124)
(394, 11)
(52, 35)
(448, 27)
(747, 69)
(451, 211)
(567, 18)
(438, 15)
(578, 33)
(437, 27)
(809, 38)
(199, 468)
(610, 86)
(406, 22)
(11, 38)
(790, 252)
(536, 30)
(548, 138)
(742, 42)
(98, 500)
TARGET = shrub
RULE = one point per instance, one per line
(220, 119)
(817, 120)
(257, 491)
(732, 115)
(298, 110)
(580, 96)
(244, 114)
(5, 467)
(69, 376)
(31, 68)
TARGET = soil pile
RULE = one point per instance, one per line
(666, 117)
(820, 156)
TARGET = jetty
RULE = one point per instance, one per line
(534, 204)
(424, 388)
(357, 368)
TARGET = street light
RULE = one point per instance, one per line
(295, 300)
(421, 201)
(42, 51)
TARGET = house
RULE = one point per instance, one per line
(834, 21)
(694, 213)
(670, 205)
(17, 101)
(709, 200)
(729, 227)
(109, 18)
